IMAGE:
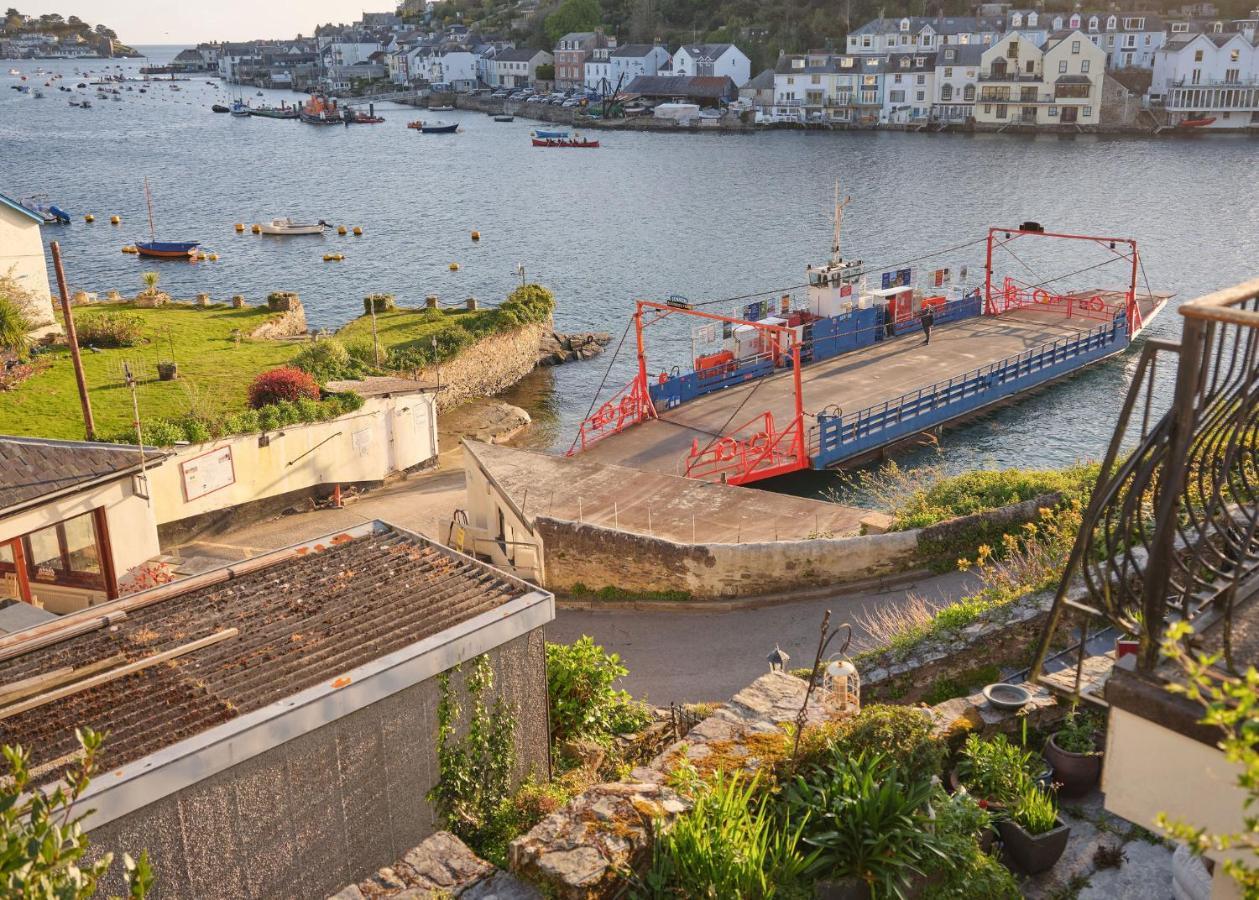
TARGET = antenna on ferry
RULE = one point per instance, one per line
(839, 220)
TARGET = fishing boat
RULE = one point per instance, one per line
(563, 135)
(444, 108)
(240, 110)
(568, 142)
(162, 249)
(287, 226)
(319, 110)
(504, 118)
(438, 127)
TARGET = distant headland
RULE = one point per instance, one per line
(52, 36)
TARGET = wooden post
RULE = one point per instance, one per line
(89, 424)
(371, 304)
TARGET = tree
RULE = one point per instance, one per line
(42, 843)
(573, 15)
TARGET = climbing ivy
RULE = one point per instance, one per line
(476, 766)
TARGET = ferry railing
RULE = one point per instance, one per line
(1170, 529)
(764, 453)
(1015, 297)
(629, 406)
(840, 437)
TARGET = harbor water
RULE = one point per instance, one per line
(646, 215)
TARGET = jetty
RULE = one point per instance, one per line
(840, 372)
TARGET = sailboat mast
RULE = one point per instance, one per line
(839, 220)
(148, 198)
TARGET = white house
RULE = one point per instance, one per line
(518, 67)
(632, 60)
(956, 83)
(1208, 76)
(713, 59)
(1021, 84)
(458, 68)
(598, 71)
(819, 87)
(908, 87)
(22, 257)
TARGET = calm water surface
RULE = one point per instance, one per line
(645, 216)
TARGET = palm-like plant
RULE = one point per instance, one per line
(150, 281)
(14, 329)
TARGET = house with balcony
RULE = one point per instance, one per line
(1207, 76)
(956, 83)
(908, 88)
(821, 87)
(1021, 84)
(713, 61)
(518, 67)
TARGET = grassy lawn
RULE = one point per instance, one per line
(410, 328)
(214, 373)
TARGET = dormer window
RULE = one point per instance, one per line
(905, 62)
(904, 24)
(797, 64)
(1058, 24)
(1016, 20)
(1217, 28)
(1075, 22)
(1092, 23)
(1110, 23)
(1031, 19)
(949, 54)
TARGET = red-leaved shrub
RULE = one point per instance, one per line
(284, 383)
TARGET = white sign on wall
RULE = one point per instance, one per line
(207, 473)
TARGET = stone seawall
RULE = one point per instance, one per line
(595, 556)
(488, 367)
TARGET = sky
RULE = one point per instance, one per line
(189, 22)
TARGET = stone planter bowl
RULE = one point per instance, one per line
(1075, 772)
(1033, 853)
(167, 371)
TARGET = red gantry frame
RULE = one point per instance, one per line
(1013, 296)
(755, 450)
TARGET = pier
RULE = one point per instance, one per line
(845, 373)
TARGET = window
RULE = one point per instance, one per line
(1062, 67)
(1092, 23)
(922, 79)
(1013, 52)
(1053, 112)
(896, 78)
(904, 24)
(948, 71)
(1197, 56)
(865, 40)
(905, 62)
(946, 93)
(920, 96)
(1031, 20)
(1129, 41)
(968, 93)
(1234, 56)
(987, 109)
(67, 553)
(1088, 111)
(816, 79)
(896, 96)
(1084, 67)
(1075, 48)
(1030, 67)
(1177, 28)
(1231, 76)
(1110, 23)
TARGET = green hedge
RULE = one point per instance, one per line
(195, 430)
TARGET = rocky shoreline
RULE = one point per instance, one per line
(558, 347)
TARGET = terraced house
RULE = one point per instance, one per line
(1022, 84)
(822, 87)
(1205, 77)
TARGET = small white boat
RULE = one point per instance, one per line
(445, 108)
(287, 226)
(14, 72)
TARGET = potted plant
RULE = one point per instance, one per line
(1073, 754)
(1033, 835)
(151, 296)
(995, 771)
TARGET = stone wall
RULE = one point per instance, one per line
(325, 809)
(289, 319)
(596, 556)
(488, 367)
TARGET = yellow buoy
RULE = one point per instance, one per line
(115, 220)
(340, 229)
(333, 257)
(358, 231)
(454, 267)
(89, 218)
(128, 249)
(214, 257)
(240, 226)
(256, 229)
(476, 235)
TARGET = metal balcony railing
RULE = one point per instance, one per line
(1009, 77)
(1170, 530)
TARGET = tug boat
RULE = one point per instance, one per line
(564, 142)
(319, 110)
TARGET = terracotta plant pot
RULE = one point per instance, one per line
(1033, 853)
(1077, 773)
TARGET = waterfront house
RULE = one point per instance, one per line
(598, 71)
(571, 53)
(518, 67)
(1129, 39)
(631, 60)
(1021, 84)
(1212, 76)
(712, 60)
(956, 83)
(908, 88)
(190, 60)
(76, 521)
(814, 87)
(908, 33)
(22, 256)
(273, 724)
(758, 92)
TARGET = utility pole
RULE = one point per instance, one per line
(89, 425)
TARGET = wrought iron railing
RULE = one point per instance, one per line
(1170, 529)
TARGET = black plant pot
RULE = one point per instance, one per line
(1033, 853)
(1075, 772)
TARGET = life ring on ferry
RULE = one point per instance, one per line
(725, 450)
(664, 377)
(1040, 295)
(758, 440)
(629, 406)
(604, 415)
(1096, 304)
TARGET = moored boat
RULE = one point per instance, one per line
(166, 249)
(240, 110)
(220, 108)
(569, 142)
(435, 127)
(504, 118)
(443, 108)
(560, 135)
(287, 226)
(319, 110)
(272, 112)
(1197, 123)
(50, 212)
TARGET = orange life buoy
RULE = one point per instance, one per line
(725, 450)
(1040, 295)
(664, 376)
(629, 406)
(1096, 304)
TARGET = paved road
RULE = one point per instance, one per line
(694, 657)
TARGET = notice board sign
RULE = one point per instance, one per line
(207, 473)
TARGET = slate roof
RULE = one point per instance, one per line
(706, 51)
(761, 82)
(518, 54)
(939, 24)
(705, 87)
(34, 470)
(962, 55)
(304, 615)
(633, 51)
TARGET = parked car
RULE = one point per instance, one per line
(571, 102)
(500, 93)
